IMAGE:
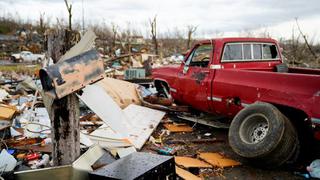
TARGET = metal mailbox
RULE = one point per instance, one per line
(70, 75)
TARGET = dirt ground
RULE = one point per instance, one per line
(245, 171)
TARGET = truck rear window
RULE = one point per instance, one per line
(249, 52)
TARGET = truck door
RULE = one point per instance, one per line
(194, 80)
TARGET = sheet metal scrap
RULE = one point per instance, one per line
(72, 74)
(138, 165)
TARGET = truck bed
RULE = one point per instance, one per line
(299, 88)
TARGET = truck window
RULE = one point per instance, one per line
(232, 52)
(269, 51)
(257, 51)
(249, 52)
(200, 56)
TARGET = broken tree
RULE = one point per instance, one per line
(64, 112)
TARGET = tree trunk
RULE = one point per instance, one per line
(64, 112)
(66, 131)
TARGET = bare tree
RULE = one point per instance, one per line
(69, 8)
(306, 40)
(41, 22)
(153, 24)
(191, 30)
(114, 29)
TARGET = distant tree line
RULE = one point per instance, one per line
(299, 50)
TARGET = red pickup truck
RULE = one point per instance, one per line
(245, 79)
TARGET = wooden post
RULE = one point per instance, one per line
(64, 112)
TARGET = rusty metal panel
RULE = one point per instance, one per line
(70, 75)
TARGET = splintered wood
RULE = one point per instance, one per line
(189, 162)
(178, 128)
(218, 160)
(186, 174)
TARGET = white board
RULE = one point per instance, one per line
(143, 122)
(103, 105)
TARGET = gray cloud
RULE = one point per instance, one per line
(209, 15)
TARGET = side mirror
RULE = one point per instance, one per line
(70, 75)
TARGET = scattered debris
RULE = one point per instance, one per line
(164, 150)
(180, 141)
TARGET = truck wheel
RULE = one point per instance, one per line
(261, 133)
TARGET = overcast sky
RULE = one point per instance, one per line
(211, 16)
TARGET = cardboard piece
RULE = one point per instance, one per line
(218, 160)
(122, 92)
(178, 128)
(186, 174)
(189, 162)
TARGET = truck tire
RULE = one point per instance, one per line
(262, 134)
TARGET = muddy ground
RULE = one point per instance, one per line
(245, 171)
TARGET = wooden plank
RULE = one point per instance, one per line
(218, 160)
(178, 128)
(186, 174)
(189, 162)
(6, 112)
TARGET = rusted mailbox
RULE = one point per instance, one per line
(70, 75)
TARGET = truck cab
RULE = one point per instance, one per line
(194, 84)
